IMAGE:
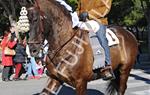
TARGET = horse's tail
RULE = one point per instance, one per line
(113, 85)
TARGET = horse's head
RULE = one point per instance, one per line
(36, 37)
(51, 21)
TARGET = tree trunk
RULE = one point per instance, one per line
(149, 35)
(148, 27)
(148, 21)
(13, 8)
(146, 11)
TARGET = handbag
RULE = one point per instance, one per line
(8, 51)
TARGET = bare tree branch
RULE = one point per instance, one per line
(8, 11)
(13, 8)
(5, 7)
(22, 2)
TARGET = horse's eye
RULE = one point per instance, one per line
(35, 19)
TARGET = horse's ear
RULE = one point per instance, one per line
(30, 1)
(26, 2)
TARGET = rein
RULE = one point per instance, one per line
(60, 48)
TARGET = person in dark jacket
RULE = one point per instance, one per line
(19, 58)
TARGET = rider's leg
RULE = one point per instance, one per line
(101, 34)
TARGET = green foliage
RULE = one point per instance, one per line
(119, 9)
(127, 12)
(73, 4)
(135, 15)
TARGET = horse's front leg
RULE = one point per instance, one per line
(81, 87)
(52, 88)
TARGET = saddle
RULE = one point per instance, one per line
(98, 51)
(99, 56)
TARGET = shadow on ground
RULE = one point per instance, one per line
(140, 78)
(69, 91)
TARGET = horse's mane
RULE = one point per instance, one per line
(63, 8)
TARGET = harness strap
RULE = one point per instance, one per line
(42, 15)
(59, 49)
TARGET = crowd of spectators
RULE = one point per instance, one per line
(20, 63)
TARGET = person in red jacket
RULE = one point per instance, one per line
(7, 61)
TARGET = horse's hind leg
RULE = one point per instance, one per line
(124, 74)
(81, 86)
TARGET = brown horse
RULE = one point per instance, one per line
(70, 56)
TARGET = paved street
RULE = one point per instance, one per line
(138, 84)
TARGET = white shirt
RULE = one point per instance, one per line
(62, 2)
(74, 15)
(91, 25)
(75, 19)
(28, 51)
(45, 46)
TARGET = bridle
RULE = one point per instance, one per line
(42, 19)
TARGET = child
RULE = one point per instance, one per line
(39, 67)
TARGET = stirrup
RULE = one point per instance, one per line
(108, 73)
(108, 76)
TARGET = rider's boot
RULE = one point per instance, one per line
(107, 73)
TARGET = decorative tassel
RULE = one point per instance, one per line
(23, 23)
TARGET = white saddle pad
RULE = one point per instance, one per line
(111, 37)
